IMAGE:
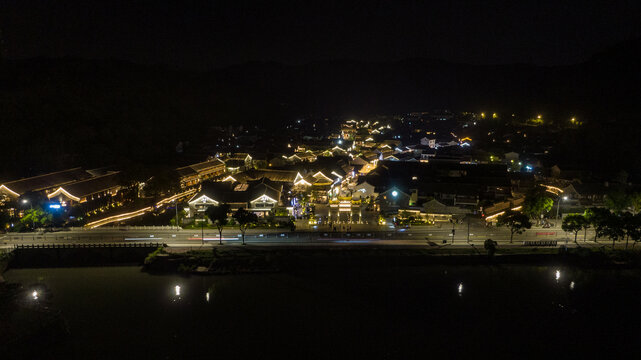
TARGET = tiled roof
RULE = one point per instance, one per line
(207, 165)
(265, 187)
(273, 175)
(46, 181)
(234, 192)
(195, 169)
(186, 171)
(234, 163)
(84, 188)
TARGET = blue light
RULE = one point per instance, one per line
(54, 206)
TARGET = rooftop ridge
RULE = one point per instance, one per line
(42, 175)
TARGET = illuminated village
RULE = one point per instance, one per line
(382, 173)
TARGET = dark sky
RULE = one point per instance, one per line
(206, 34)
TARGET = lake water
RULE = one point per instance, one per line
(398, 312)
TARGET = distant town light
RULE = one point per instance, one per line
(557, 275)
(394, 193)
(177, 290)
(34, 295)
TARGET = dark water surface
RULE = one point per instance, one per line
(433, 311)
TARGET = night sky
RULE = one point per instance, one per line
(207, 34)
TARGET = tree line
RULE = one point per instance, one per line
(619, 220)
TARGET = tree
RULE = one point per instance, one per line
(573, 223)
(35, 218)
(181, 216)
(586, 225)
(132, 175)
(218, 216)
(536, 203)
(613, 228)
(631, 226)
(490, 247)
(162, 183)
(635, 234)
(244, 219)
(617, 200)
(634, 203)
(517, 222)
(597, 218)
(5, 220)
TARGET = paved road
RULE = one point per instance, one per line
(419, 235)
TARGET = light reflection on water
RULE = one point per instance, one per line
(324, 306)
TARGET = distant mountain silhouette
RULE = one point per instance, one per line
(59, 112)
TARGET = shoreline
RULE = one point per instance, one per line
(239, 260)
(256, 259)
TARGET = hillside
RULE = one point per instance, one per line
(64, 112)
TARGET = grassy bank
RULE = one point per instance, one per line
(235, 259)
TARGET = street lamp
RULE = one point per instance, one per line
(176, 206)
(202, 230)
(453, 231)
(558, 205)
(33, 220)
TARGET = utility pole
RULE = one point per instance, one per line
(558, 205)
(33, 217)
(453, 231)
(176, 206)
(468, 229)
(33, 220)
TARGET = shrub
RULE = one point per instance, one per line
(184, 268)
(152, 256)
(490, 247)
